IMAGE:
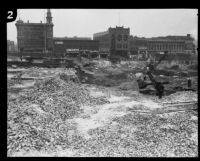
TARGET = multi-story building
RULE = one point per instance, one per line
(114, 41)
(162, 45)
(104, 41)
(170, 44)
(64, 45)
(10, 46)
(138, 47)
(35, 36)
(75, 38)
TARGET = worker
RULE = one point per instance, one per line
(189, 82)
(159, 89)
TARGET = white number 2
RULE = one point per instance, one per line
(10, 15)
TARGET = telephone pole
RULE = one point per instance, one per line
(44, 33)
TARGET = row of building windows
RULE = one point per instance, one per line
(119, 46)
(120, 37)
(175, 47)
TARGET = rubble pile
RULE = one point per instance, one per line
(129, 86)
(102, 63)
(135, 64)
(181, 97)
(37, 117)
(144, 135)
(40, 118)
(10, 83)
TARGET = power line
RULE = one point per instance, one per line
(44, 33)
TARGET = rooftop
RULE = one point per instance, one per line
(100, 33)
(72, 38)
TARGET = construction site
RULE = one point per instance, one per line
(62, 101)
(97, 109)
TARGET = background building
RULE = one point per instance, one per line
(11, 46)
(75, 38)
(115, 41)
(145, 47)
(35, 36)
(79, 45)
(172, 44)
(138, 47)
(104, 41)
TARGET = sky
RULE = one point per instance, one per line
(86, 22)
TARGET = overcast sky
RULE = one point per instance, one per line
(86, 22)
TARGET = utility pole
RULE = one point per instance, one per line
(44, 33)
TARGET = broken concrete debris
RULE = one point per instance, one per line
(41, 116)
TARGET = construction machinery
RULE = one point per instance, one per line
(142, 83)
(158, 86)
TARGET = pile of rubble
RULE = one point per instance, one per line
(144, 135)
(37, 117)
(181, 97)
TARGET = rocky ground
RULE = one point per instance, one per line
(53, 116)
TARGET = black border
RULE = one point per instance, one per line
(3, 37)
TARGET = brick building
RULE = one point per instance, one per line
(138, 47)
(80, 45)
(10, 46)
(145, 47)
(162, 45)
(35, 36)
(114, 41)
(172, 44)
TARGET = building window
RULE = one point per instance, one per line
(59, 42)
(119, 46)
(125, 37)
(125, 46)
(113, 36)
(151, 47)
(119, 37)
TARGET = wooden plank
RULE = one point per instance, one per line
(179, 102)
(170, 111)
(182, 104)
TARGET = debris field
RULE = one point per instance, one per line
(52, 113)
